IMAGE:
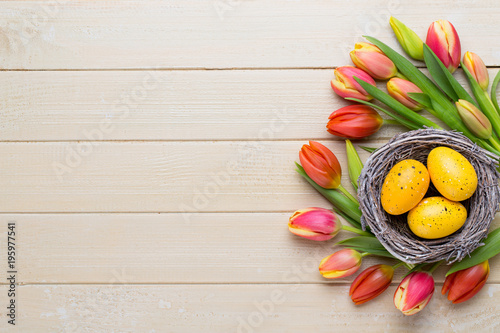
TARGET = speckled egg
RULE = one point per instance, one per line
(436, 217)
(404, 186)
(451, 173)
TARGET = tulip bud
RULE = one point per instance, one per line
(474, 119)
(442, 38)
(399, 89)
(345, 86)
(321, 165)
(354, 163)
(414, 292)
(372, 282)
(340, 264)
(466, 283)
(409, 40)
(372, 60)
(354, 122)
(317, 224)
(477, 68)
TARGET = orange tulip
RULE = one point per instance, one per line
(321, 165)
(399, 89)
(477, 68)
(464, 284)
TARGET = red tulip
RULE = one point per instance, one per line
(321, 165)
(317, 224)
(372, 60)
(345, 85)
(414, 292)
(442, 38)
(340, 264)
(354, 122)
(466, 283)
(372, 282)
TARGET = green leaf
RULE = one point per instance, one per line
(368, 149)
(362, 241)
(395, 105)
(412, 73)
(354, 163)
(338, 200)
(346, 217)
(490, 249)
(366, 244)
(375, 252)
(422, 99)
(458, 90)
(438, 74)
(494, 86)
(399, 119)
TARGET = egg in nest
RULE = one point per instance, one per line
(404, 186)
(436, 217)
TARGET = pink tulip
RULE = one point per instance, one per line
(317, 224)
(414, 292)
(442, 38)
(340, 264)
(345, 86)
(372, 60)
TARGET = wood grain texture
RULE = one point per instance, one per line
(166, 248)
(156, 176)
(172, 105)
(220, 33)
(240, 308)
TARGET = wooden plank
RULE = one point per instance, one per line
(171, 105)
(156, 176)
(240, 308)
(221, 33)
(165, 248)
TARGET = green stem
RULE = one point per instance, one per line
(409, 266)
(433, 268)
(347, 194)
(494, 86)
(398, 264)
(364, 254)
(494, 143)
(391, 122)
(356, 231)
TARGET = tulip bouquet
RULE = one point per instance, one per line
(409, 91)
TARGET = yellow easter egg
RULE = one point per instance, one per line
(404, 186)
(436, 217)
(451, 173)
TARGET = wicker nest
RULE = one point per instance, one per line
(393, 231)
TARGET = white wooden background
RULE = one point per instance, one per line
(147, 154)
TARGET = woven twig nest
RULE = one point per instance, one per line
(393, 231)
